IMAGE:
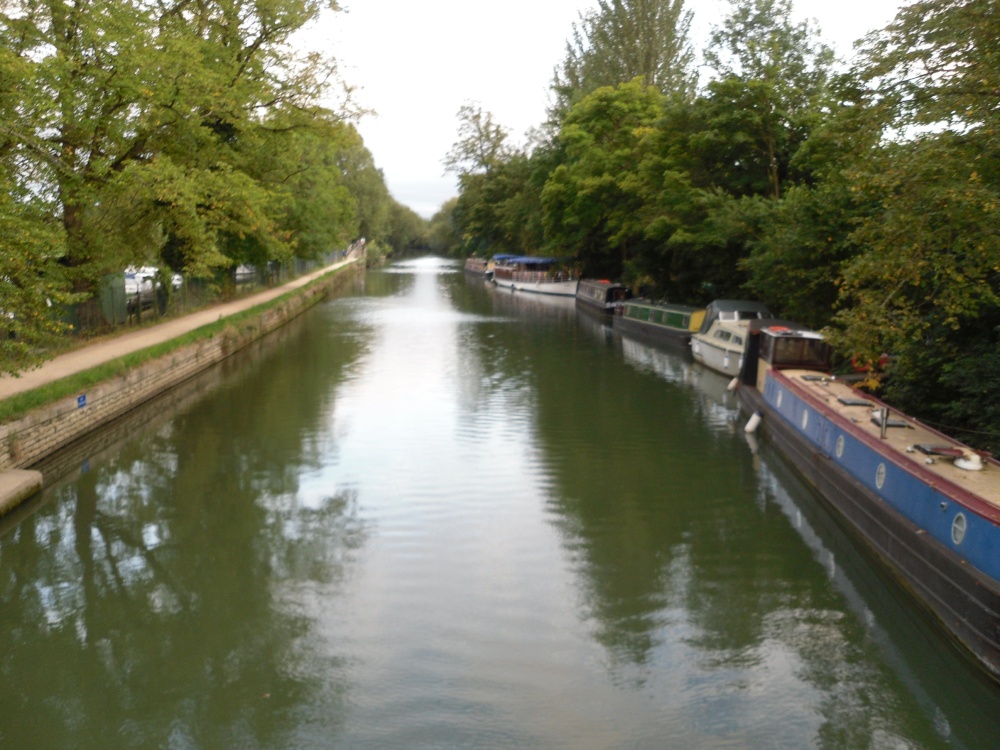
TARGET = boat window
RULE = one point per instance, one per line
(797, 352)
(723, 335)
(749, 315)
(737, 340)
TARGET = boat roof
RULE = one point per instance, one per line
(664, 305)
(779, 327)
(533, 260)
(921, 449)
(729, 305)
(742, 307)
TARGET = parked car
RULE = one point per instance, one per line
(141, 285)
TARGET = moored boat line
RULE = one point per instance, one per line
(926, 503)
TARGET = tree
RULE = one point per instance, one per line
(712, 163)
(32, 284)
(366, 184)
(444, 236)
(481, 144)
(304, 170)
(771, 89)
(591, 200)
(626, 39)
(133, 115)
(926, 286)
(409, 230)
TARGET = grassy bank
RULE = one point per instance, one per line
(20, 404)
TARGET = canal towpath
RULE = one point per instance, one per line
(17, 484)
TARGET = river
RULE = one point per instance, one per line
(430, 514)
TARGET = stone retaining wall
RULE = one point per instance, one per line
(36, 436)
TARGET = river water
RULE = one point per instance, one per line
(429, 514)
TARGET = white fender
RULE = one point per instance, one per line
(753, 423)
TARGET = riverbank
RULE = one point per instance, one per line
(117, 374)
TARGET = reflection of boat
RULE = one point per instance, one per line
(542, 306)
(720, 340)
(660, 323)
(929, 505)
(601, 295)
(963, 705)
(524, 273)
(664, 364)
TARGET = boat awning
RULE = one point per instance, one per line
(531, 260)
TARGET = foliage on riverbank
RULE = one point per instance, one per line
(865, 203)
(190, 137)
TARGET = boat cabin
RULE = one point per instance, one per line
(530, 269)
(733, 311)
(782, 345)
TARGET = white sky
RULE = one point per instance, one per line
(416, 63)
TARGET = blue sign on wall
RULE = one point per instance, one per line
(81, 401)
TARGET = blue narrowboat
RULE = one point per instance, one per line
(927, 504)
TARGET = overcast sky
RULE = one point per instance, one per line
(415, 63)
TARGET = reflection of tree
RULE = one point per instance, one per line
(658, 509)
(141, 605)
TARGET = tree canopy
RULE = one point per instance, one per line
(188, 136)
(621, 40)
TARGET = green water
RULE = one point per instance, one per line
(433, 515)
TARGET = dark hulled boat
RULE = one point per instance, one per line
(601, 295)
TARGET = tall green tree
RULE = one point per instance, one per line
(127, 102)
(591, 201)
(481, 145)
(925, 286)
(722, 163)
(409, 229)
(32, 281)
(366, 183)
(771, 90)
(621, 40)
(500, 185)
(932, 253)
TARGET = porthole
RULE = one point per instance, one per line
(805, 419)
(958, 528)
(840, 446)
(880, 476)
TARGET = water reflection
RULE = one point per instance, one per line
(435, 515)
(145, 602)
